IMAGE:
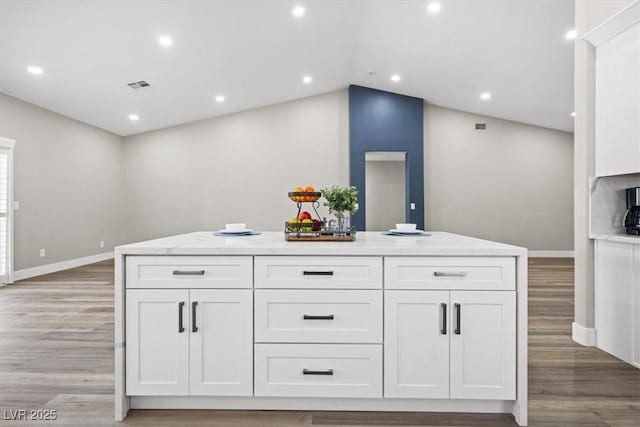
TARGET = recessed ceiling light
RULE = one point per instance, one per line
(220, 98)
(307, 80)
(395, 78)
(570, 35)
(298, 11)
(134, 117)
(485, 96)
(434, 7)
(165, 41)
(573, 114)
(34, 69)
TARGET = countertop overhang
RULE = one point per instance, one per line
(366, 244)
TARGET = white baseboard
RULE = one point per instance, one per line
(59, 266)
(583, 336)
(551, 254)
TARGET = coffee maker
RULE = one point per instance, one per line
(632, 215)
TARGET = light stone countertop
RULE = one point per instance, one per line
(617, 237)
(367, 243)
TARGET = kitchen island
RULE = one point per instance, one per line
(429, 323)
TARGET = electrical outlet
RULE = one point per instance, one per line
(102, 243)
(43, 253)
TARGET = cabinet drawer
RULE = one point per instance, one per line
(309, 272)
(189, 272)
(318, 316)
(318, 370)
(482, 273)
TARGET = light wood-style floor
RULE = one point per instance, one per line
(56, 352)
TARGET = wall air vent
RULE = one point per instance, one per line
(138, 85)
(481, 126)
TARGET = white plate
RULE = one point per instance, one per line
(393, 230)
(225, 231)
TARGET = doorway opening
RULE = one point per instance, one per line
(385, 189)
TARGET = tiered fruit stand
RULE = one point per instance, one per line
(321, 230)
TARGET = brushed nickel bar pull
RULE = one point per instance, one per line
(312, 317)
(188, 272)
(311, 372)
(450, 273)
(317, 273)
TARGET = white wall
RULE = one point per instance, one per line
(78, 185)
(68, 180)
(235, 168)
(511, 182)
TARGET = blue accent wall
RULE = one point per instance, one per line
(385, 121)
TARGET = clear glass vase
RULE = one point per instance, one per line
(343, 225)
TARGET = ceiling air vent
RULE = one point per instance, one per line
(481, 126)
(138, 85)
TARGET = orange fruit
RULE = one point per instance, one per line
(299, 190)
(309, 189)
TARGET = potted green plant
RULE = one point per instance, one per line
(340, 200)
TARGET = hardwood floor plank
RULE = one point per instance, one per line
(56, 352)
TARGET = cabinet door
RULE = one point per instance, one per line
(221, 342)
(483, 345)
(157, 339)
(618, 104)
(416, 350)
(614, 298)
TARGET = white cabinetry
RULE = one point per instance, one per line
(221, 342)
(618, 104)
(318, 370)
(195, 342)
(377, 325)
(617, 299)
(483, 345)
(458, 344)
(157, 342)
(416, 351)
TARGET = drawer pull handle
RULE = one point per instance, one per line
(317, 273)
(457, 309)
(188, 272)
(311, 372)
(443, 309)
(450, 273)
(180, 322)
(194, 328)
(312, 317)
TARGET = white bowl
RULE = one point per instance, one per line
(237, 226)
(405, 227)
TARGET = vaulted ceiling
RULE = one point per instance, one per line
(256, 53)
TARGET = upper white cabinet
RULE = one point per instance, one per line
(618, 104)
